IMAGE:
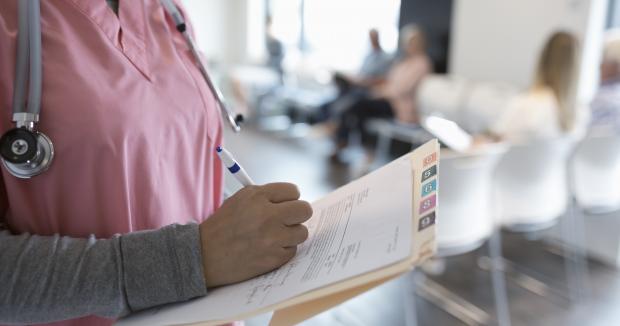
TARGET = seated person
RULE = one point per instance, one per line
(372, 73)
(375, 66)
(605, 107)
(544, 111)
(396, 97)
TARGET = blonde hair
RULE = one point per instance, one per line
(557, 71)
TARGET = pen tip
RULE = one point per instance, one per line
(218, 149)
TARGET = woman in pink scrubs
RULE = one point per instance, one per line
(118, 222)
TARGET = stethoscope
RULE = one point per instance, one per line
(27, 152)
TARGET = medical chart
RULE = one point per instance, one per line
(358, 228)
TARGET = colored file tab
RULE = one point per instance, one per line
(426, 221)
(428, 173)
(429, 187)
(430, 159)
(428, 203)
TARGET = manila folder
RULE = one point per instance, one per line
(360, 236)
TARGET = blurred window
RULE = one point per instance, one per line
(334, 33)
(286, 21)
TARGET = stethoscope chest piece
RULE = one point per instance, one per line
(26, 153)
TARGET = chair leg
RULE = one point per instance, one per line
(528, 279)
(382, 149)
(582, 255)
(569, 258)
(574, 254)
(449, 302)
(409, 301)
(497, 278)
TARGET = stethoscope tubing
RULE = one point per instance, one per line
(29, 63)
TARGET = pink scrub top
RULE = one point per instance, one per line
(133, 123)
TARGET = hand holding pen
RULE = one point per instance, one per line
(256, 230)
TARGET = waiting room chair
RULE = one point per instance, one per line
(388, 130)
(465, 222)
(595, 174)
(442, 95)
(531, 195)
(483, 105)
(473, 105)
(531, 190)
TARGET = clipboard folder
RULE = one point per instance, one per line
(424, 164)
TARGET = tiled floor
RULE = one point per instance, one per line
(269, 157)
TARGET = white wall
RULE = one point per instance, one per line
(221, 27)
(499, 40)
(208, 18)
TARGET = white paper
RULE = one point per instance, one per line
(361, 227)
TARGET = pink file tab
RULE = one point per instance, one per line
(428, 203)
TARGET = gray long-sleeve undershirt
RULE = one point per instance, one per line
(52, 278)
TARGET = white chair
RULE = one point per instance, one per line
(464, 223)
(483, 105)
(465, 183)
(531, 194)
(595, 171)
(474, 106)
(530, 185)
(442, 95)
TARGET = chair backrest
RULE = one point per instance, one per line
(484, 104)
(464, 218)
(595, 173)
(530, 184)
(473, 106)
(441, 95)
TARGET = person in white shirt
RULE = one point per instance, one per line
(546, 110)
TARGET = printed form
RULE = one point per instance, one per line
(358, 228)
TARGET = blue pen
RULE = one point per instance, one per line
(235, 169)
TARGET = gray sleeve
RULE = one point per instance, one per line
(51, 278)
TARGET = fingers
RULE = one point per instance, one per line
(280, 192)
(295, 235)
(287, 254)
(294, 212)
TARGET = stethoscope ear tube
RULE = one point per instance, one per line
(234, 120)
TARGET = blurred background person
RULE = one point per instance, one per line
(605, 107)
(545, 110)
(396, 98)
(372, 73)
(374, 67)
(275, 50)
